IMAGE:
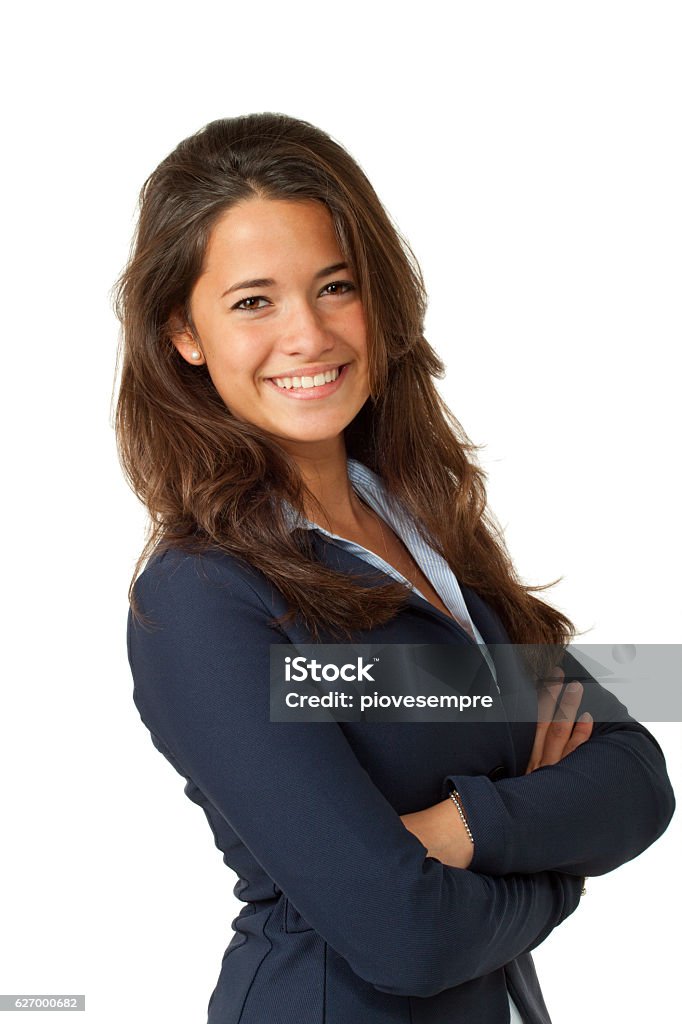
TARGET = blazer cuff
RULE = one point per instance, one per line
(488, 821)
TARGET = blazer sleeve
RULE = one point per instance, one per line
(599, 807)
(303, 804)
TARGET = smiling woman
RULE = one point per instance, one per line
(305, 483)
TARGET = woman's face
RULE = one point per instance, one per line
(273, 302)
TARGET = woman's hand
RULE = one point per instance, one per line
(440, 829)
(555, 738)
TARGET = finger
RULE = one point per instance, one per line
(559, 731)
(552, 736)
(548, 694)
(582, 731)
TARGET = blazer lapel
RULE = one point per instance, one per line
(519, 697)
(338, 558)
(517, 687)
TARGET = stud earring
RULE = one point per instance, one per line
(196, 355)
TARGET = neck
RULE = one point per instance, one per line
(326, 476)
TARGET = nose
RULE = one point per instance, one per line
(304, 333)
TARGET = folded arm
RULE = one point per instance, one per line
(597, 808)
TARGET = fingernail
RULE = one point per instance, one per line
(573, 687)
(586, 717)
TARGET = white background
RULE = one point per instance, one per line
(530, 152)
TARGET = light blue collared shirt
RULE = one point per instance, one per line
(371, 489)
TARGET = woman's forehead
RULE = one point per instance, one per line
(260, 238)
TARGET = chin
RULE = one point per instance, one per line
(309, 436)
(313, 438)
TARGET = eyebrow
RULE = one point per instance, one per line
(268, 282)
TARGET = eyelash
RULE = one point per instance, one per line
(256, 309)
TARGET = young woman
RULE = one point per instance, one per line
(305, 483)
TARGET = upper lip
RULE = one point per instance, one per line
(306, 371)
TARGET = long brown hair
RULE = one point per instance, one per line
(208, 479)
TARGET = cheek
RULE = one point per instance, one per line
(239, 358)
(357, 327)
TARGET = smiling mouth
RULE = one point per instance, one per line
(308, 383)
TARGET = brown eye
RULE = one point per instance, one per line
(335, 284)
(251, 298)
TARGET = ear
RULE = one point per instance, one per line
(182, 338)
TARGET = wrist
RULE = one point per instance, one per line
(451, 842)
(457, 801)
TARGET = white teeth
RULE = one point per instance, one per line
(307, 382)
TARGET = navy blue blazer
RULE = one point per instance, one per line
(345, 918)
